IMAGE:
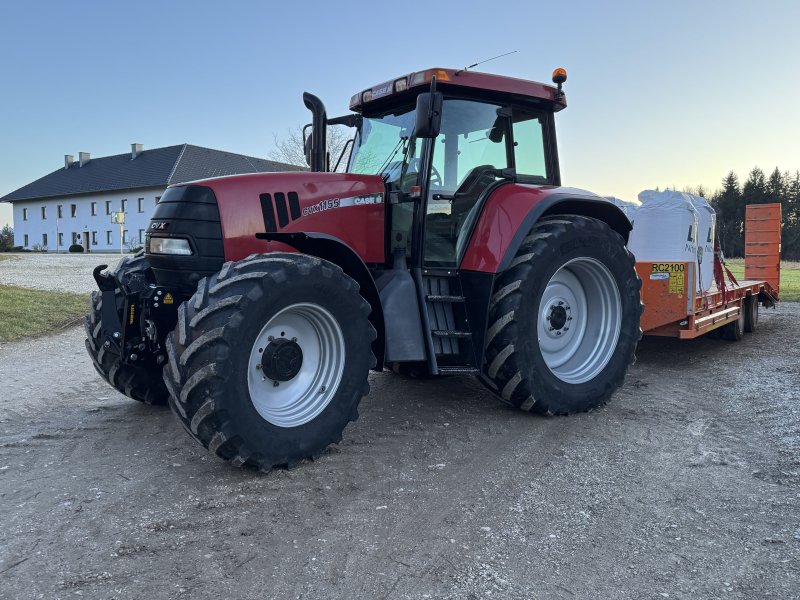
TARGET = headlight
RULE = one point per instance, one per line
(162, 245)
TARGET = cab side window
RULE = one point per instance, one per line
(528, 132)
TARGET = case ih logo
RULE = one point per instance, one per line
(159, 226)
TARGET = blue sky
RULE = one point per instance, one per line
(672, 93)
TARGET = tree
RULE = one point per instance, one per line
(729, 206)
(290, 149)
(6, 239)
(754, 189)
(791, 217)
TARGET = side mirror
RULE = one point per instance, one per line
(307, 148)
(429, 115)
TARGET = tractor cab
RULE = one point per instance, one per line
(442, 140)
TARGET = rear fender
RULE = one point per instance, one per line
(336, 251)
(511, 213)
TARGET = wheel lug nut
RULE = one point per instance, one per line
(322, 389)
(271, 338)
(258, 366)
(275, 384)
(560, 303)
(294, 339)
(558, 333)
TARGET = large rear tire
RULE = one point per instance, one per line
(140, 383)
(564, 318)
(270, 359)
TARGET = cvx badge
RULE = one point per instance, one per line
(159, 225)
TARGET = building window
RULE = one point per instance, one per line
(124, 236)
(60, 211)
(108, 207)
(44, 212)
(25, 238)
(74, 238)
(158, 199)
(25, 217)
(94, 209)
(44, 240)
(73, 209)
(94, 238)
(141, 236)
(60, 239)
(139, 202)
(122, 204)
(108, 237)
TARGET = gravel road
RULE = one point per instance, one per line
(57, 272)
(686, 485)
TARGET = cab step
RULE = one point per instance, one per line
(458, 371)
(451, 334)
(441, 298)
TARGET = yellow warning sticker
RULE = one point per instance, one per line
(168, 299)
(132, 316)
(676, 280)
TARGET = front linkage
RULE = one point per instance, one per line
(130, 319)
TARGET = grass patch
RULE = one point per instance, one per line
(7, 257)
(25, 312)
(790, 277)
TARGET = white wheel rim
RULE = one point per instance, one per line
(579, 320)
(303, 397)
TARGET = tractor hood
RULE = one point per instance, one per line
(347, 207)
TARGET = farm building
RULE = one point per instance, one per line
(75, 204)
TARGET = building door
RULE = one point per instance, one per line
(86, 241)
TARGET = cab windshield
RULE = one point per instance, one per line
(385, 146)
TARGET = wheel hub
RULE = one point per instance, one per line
(282, 359)
(558, 316)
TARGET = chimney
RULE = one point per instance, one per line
(68, 161)
(83, 158)
(136, 150)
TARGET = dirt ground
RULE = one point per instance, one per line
(687, 485)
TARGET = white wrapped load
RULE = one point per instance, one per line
(665, 228)
(706, 232)
(627, 206)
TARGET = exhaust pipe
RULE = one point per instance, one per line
(316, 154)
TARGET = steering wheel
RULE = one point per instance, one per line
(413, 169)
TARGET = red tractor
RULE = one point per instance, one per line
(262, 301)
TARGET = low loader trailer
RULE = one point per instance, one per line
(673, 306)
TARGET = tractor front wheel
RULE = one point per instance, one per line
(270, 358)
(564, 318)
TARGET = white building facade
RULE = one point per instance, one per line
(76, 203)
(55, 224)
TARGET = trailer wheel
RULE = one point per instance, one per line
(734, 331)
(564, 318)
(750, 313)
(140, 383)
(270, 358)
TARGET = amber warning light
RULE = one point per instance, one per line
(559, 77)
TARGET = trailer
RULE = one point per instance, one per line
(674, 307)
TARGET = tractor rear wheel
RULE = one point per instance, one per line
(270, 358)
(564, 318)
(140, 383)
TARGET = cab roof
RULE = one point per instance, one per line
(412, 84)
